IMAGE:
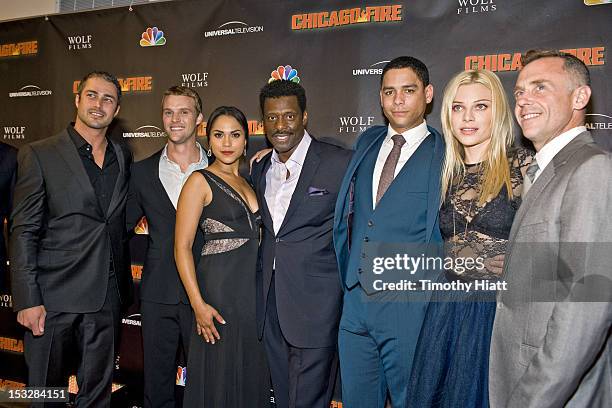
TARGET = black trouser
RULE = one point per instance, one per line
(92, 337)
(301, 377)
(164, 329)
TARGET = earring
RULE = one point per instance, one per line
(209, 152)
(244, 153)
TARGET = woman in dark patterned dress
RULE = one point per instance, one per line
(227, 364)
(482, 179)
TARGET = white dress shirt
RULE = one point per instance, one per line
(171, 176)
(414, 137)
(550, 149)
(279, 188)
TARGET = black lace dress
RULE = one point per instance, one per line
(233, 372)
(451, 364)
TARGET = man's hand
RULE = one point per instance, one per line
(33, 318)
(495, 264)
(257, 157)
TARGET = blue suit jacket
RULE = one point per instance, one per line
(367, 141)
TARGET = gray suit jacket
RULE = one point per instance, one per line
(546, 351)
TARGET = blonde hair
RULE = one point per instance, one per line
(496, 171)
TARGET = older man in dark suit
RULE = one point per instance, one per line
(70, 264)
(298, 290)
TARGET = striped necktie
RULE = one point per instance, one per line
(388, 171)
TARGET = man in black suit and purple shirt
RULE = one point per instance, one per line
(298, 290)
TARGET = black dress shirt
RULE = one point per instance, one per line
(102, 179)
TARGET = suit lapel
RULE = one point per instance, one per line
(544, 179)
(531, 197)
(433, 197)
(70, 155)
(121, 179)
(261, 192)
(311, 164)
(343, 193)
(158, 187)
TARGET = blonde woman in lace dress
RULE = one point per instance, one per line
(482, 180)
(227, 365)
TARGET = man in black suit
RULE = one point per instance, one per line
(70, 265)
(298, 290)
(154, 191)
(8, 171)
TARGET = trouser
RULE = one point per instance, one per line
(165, 328)
(377, 340)
(301, 377)
(92, 337)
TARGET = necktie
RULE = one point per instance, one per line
(532, 169)
(388, 171)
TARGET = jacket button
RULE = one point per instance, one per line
(277, 240)
(360, 270)
(370, 223)
(366, 239)
(363, 255)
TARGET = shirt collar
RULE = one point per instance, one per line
(82, 145)
(299, 154)
(202, 161)
(77, 139)
(412, 136)
(550, 149)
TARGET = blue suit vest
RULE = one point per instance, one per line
(401, 214)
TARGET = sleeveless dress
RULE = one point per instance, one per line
(451, 364)
(233, 372)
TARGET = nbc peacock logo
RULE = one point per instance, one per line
(287, 73)
(152, 37)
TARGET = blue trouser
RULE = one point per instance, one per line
(377, 339)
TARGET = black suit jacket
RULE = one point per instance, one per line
(161, 282)
(307, 283)
(61, 242)
(8, 172)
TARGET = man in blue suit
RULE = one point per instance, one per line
(389, 195)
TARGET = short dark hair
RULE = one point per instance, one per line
(419, 68)
(571, 64)
(282, 87)
(184, 91)
(228, 111)
(104, 75)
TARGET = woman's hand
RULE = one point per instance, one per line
(205, 316)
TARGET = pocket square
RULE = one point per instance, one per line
(316, 191)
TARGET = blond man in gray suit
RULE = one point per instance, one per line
(551, 337)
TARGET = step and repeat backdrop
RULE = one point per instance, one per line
(227, 50)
